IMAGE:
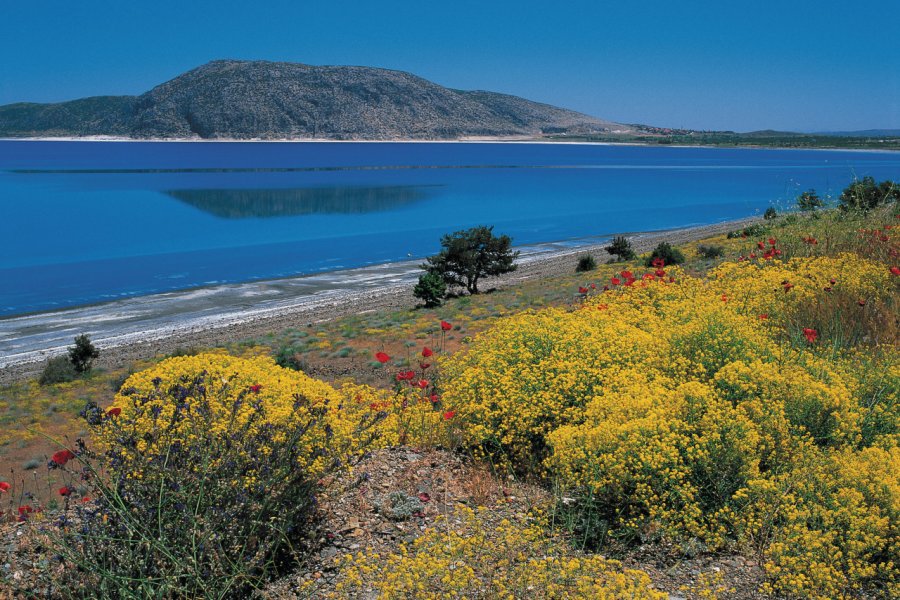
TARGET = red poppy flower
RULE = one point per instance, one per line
(25, 509)
(593, 286)
(62, 457)
(832, 281)
(763, 316)
(627, 275)
(382, 357)
(424, 365)
(426, 352)
(615, 281)
(629, 282)
(445, 326)
(772, 242)
(582, 290)
(434, 398)
(760, 245)
(724, 298)
(4, 487)
(827, 288)
(449, 415)
(895, 270)
(660, 273)
(424, 497)
(811, 335)
(787, 286)
(66, 491)
(255, 388)
(658, 263)
(753, 255)
(861, 302)
(422, 384)
(115, 411)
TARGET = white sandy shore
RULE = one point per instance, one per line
(144, 327)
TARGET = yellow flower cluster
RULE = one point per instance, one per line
(240, 395)
(467, 556)
(248, 394)
(691, 409)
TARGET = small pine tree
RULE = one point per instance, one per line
(82, 354)
(621, 248)
(472, 254)
(431, 289)
(809, 201)
(770, 213)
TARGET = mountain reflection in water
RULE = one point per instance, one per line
(264, 203)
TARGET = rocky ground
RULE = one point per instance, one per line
(393, 496)
(358, 514)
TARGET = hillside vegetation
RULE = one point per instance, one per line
(744, 405)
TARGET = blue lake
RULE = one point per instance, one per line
(86, 222)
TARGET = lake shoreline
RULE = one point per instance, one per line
(472, 140)
(210, 328)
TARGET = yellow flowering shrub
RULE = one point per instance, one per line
(829, 526)
(466, 556)
(234, 390)
(694, 409)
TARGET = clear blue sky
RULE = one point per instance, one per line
(725, 64)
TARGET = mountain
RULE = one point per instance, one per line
(269, 100)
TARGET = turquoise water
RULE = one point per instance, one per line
(86, 222)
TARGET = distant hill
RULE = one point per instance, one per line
(269, 100)
(863, 133)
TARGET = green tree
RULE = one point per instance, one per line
(470, 255)
(82, 354)
(770, 213)
(621, 248)
(809, 201)
(864, 194)
(432, 289)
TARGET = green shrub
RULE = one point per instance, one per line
(59, 369)
(864, 194)
(82, 354)
(770, 213)
(710, 251)
(665, 252)
(216, 511)
(585, 263)
(288, 357)
(431, 288)
(754, 230)
(809, 201)
(621, 248)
